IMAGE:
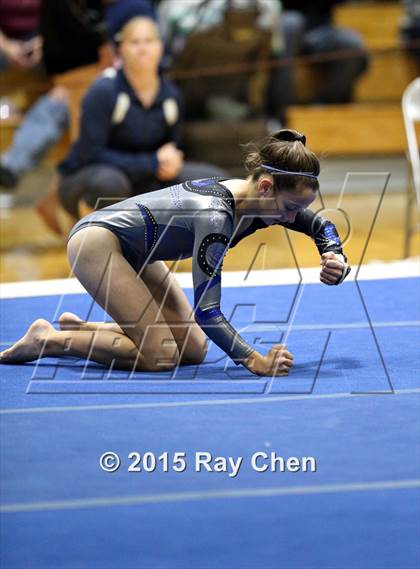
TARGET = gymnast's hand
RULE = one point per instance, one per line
(277, 362)
(334, 268)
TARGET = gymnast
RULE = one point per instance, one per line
(118, 255)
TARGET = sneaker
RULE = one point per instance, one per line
(8, 178)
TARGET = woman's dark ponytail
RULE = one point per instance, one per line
(290, 135)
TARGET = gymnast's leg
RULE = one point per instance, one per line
(176, 311)
(42, 340)
(147, 343)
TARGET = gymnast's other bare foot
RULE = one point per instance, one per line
(70, 321)
(31, 346)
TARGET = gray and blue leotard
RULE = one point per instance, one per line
(196, 219)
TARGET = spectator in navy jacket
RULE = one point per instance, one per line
(128, 142)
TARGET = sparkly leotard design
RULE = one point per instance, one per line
(196, 219)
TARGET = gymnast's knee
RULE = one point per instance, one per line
(194, 351)
(158, 356)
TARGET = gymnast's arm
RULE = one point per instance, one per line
(326, 237)
(213, 232)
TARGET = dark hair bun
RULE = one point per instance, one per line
(290, 135)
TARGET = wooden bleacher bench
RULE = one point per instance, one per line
(371, 125)
(23, 86)
(390, 69)
(332, 130)
(378, 24)
(353, 129)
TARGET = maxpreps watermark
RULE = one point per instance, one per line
(204, 461)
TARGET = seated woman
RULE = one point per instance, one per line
(118, 254)
(129, 133)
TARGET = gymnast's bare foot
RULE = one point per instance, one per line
(31, 346)
(70, 321)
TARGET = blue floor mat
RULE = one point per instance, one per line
(351, 402)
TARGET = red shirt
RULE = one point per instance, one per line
(19, 18)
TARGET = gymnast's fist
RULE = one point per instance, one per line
(277, 362)
(334, 268)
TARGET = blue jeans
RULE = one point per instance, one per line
(339, 76)
(42, 127)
